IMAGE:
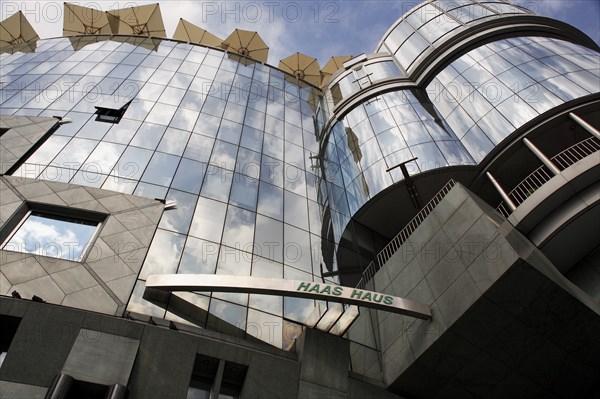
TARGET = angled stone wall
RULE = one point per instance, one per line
(490, 291)
(104, 279)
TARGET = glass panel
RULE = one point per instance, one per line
(104, 158)
(239, 228)
(199, 148)
(133, 163)
(161, 169)
(199, 257)
(179, 218)
(208, 219)
(268, 241)
(174, 141)
(265, 327)
(217, 183)
(163, 255)
(244, 192)
(235, 315)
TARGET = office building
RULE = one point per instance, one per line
(181, 219)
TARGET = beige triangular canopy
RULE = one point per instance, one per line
(79, 42)
(144, 20)
(303, 67)
(189, 32)
(17, 34)
(332, 66)
(84, 21)
(248, 44)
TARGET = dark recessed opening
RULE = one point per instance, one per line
(111, 115)
(10, 324)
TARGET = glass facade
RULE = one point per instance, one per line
(466, 109)
(259, 191)
(428, 25)
(230, 143)
(377, 135)
(489, 92)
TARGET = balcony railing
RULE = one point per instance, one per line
(542, 175)
(396, 242)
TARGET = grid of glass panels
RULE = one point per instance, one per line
(432, 22)
(380, 134)
(489, 92)
(230, 143)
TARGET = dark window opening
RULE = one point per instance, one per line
(3, 130)
(111, 115)
(214, 375)
(67, 387)
(10, 324)
(233, 380)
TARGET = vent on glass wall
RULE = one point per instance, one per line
(112, 108)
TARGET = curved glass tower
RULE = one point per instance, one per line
(473, 125)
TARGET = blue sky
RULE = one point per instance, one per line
(318, 28)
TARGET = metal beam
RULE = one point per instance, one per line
(501, 191)
(159, 283)
(540, 155)
(591, 129)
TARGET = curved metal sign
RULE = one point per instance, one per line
(292, 288)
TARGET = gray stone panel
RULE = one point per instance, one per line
(101, 358)
(24, 133)
(163, 366)
(270, 377)
(324, 358)
(358, 389)
(42, 344)
(13, 390)
(308, 390)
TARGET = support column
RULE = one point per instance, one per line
(501, 191)
(591, 129)
(216, 386)
(545, 160)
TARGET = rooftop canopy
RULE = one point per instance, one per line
(144, 20)
(188, 32)
(247, 43)
(303, 67)
(17, 34)
(332, 66)
(80, 20)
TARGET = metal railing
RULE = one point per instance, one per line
(542, 175)
(386, 253)
(576, 153)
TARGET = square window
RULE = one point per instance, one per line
(56, 232)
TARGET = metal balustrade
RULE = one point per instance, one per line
(542, 175)
(386, 253)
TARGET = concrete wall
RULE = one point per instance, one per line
(586, 275)
(156, 361)
(490, 291)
